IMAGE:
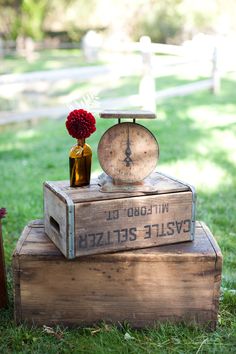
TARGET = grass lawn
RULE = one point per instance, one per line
(197, 137)
(50, 59)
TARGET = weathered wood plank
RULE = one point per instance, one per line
(38, 244)
(218, 267)
(92, 192)
(132, 223)
(55, 214)
(122, 114)
(17, 271)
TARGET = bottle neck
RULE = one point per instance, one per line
(81, 142)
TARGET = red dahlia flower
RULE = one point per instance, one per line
(80, 124)
(3, 212)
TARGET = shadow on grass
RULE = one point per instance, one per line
(44, 60)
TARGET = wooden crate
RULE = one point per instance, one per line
(175, 283)
(82, 221)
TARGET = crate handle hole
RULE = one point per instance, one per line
(54, 224)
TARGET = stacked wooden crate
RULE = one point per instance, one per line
(82, 221)
(136, 257)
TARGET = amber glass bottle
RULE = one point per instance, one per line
(80, 158)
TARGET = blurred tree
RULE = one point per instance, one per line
(30, 18)
(161, 20)
(8, 14)
(178, 20)
(75, 17)
(23, 18)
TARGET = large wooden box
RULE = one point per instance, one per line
(82, 221)
(175, 283)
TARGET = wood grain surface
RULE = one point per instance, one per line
(164, 184)
(168, 283)
(122, 114)
(132, 223)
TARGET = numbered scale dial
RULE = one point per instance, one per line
(128, 152)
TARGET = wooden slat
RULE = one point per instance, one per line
(17, 272)
(139, 293)
(212, 240)
(122, 114)
(37, 243)
(147, 221)
(218, 268)
(92, 192)
(56, 220)
(184, 90)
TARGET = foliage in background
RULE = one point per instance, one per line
(164, 20)
(31, 19)
(178, 20)
(23, 18)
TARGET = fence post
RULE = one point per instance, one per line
(147, 82)
(215, 71)
(91, 43)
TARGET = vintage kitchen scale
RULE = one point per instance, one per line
(128, 153)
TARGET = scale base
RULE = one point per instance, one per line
(108, 185)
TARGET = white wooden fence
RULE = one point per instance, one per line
(212, 83)
(146, 67)
(183, 55)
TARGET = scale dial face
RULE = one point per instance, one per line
(128, 152)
